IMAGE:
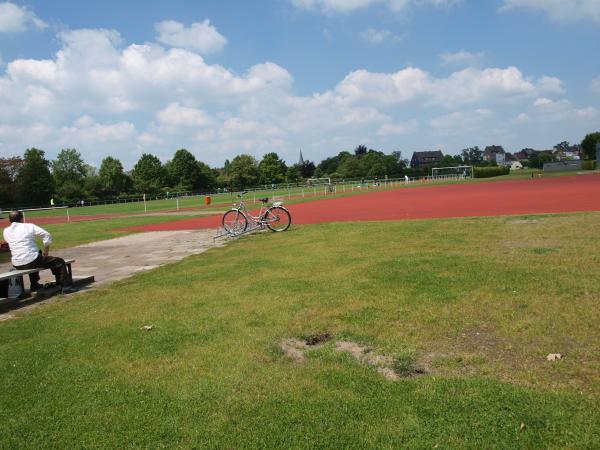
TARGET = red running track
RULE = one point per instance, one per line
(538, 196)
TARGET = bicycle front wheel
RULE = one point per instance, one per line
(278, 218)
(234, 222)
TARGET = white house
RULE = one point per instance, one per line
(516, 165)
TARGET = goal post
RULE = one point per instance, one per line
(54, 211)
(318, 181)
(452, 173)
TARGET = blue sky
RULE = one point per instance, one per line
(229, 77)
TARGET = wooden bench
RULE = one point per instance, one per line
(43, 292)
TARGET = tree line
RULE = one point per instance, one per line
(32, 179)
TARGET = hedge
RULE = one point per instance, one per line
(487, 172)
(588, 164)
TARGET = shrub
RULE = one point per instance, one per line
(487, 172)
(588, 164)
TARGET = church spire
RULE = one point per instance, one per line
(301, 160)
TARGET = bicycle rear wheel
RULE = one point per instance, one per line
(234, 222)
(277, 218)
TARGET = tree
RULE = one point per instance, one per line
(93, 187)
(360, 150)
(69, 172)
(243, 171)
(563, 146)
(538, 159)
(400, 161)
(148, 175)
(226, 166)
(329, 165)
(293, 174)
(377, 170)
(207, 177)
(589, 145)
(472, 156)
(272, 169)
(183, 171)
(68, 167)
(113, 180)
(9, 169)
(34, 182)
(447, 161)
(351, 168)
(307, 169)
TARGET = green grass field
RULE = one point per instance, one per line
(475, 303)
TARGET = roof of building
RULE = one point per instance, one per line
(432, 154)
(494, 149)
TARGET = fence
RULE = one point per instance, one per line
(288, 190)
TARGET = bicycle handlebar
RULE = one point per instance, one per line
(242, 194)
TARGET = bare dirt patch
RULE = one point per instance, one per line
(390, 367)
(296, 348)
(318, 338)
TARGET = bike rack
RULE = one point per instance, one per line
(222, 232)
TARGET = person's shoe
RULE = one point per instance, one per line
(36, 287)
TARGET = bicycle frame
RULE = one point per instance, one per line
(261, 220)
(243, 209)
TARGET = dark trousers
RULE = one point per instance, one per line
(56, 265)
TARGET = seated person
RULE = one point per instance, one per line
(26, 254)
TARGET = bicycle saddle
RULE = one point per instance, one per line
(264, 200)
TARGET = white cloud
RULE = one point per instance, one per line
(466, 86)
(329, 6)
(462, 57)
(348, 6)
(398, 128)
(522, 118)
(561, 110)
(176, 115)
(374, 36)
(86, 131)
(541, 102)
(558, 10)
(460, 121)
(16, 19)
(106, 98)
(200, 36)
(595, 85)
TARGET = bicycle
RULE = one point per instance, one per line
(275, 217)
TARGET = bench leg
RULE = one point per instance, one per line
(22, 282)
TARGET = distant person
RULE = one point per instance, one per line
(406, 178)
(52, 202)
(26, 254)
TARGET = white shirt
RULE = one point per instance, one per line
(21, 239)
